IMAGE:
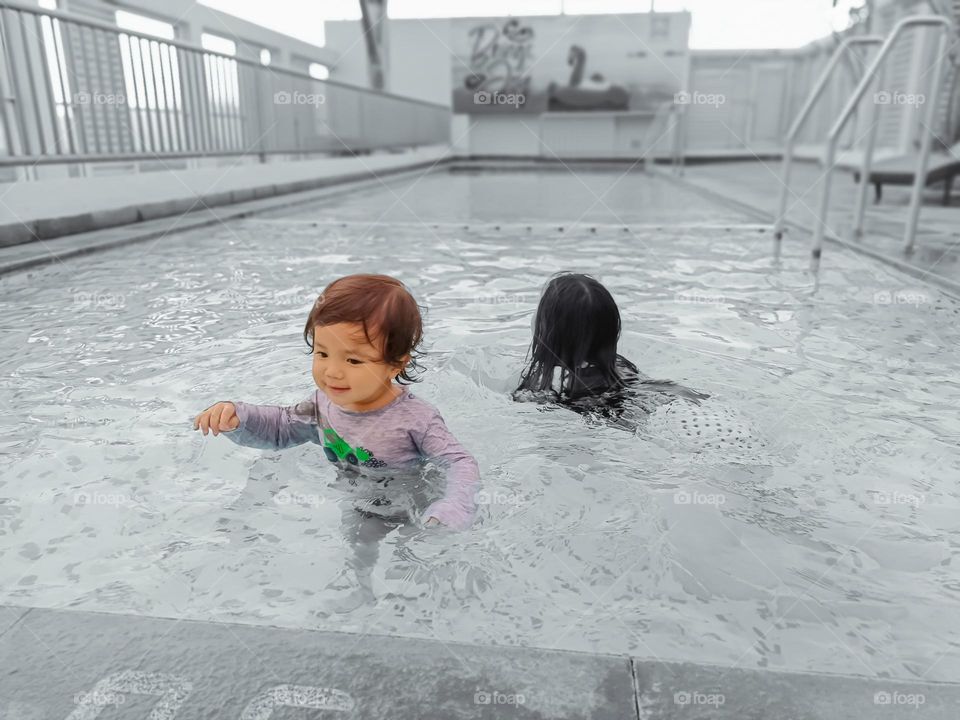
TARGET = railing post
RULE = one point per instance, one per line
(680, 147)
(866, 165)
(820, 230)
(804, 113)
(259, 100)
(7, 98)
(920, 177)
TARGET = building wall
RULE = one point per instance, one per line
(762, 92)
(417, 51)
(420, 64)
(744, 100)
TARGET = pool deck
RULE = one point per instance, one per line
(72, 664)
(755, 186)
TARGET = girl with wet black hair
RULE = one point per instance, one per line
(576, 330)
(573, 361)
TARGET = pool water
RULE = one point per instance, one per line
(829, 547)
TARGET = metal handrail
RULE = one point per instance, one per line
(180, 44)
(679, 150)
(77, 90)
(664, 110)
(921, 171)
(793, 133)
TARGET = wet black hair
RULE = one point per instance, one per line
(577, 328)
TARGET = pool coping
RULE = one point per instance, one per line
(58, 207)
(566, 683)
(38, 252)
(222, 206)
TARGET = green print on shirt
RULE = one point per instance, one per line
(336, 448)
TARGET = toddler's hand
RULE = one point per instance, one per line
(218, 418)
(433, 522)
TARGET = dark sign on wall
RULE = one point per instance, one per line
(568, 63)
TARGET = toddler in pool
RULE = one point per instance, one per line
(364, 331)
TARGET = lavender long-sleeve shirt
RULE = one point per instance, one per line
(375, 445)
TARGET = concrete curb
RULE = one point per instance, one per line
(58, 660)
(18, 233)
(223, 668)
(199, 212)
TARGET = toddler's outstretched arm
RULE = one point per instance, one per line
(272, 427)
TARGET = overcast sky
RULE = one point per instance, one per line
(716, 23)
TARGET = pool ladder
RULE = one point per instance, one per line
(875, 70)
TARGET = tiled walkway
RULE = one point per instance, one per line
(757, 184)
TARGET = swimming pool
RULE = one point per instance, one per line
(833, 552)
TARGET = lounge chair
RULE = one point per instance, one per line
(944, 166)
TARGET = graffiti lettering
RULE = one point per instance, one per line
(500, 57)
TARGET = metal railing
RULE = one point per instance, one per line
(666, 113)
(795, 129)
(926, 136)
(74, 89)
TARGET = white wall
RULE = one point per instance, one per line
(763, 90)
(418, 59)
(420, 64)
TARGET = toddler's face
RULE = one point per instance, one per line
(349, 369)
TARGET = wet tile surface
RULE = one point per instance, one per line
(76, 665)
(9, 616)
(702, 692)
